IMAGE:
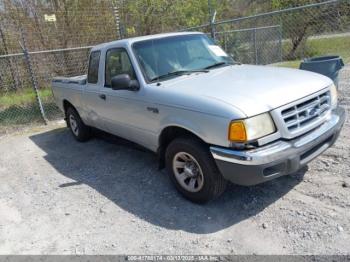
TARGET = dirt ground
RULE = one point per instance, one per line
(107, 196)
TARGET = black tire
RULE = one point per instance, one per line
(81, 132)
(214, 183)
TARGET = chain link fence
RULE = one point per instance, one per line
(43, 39)
(304, 31)
(40, 40)
(14, 79)
(25, 83)
(259, 45)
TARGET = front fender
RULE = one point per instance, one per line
(211, 129)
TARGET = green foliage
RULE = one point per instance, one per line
(283, 4)
(23, 97)
(140, 17)
(151, 16)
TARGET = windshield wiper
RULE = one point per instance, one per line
(178, 73)
(220, 64)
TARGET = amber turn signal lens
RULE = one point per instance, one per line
(237, 132)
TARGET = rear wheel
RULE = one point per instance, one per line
(80, 131)
(193, 170)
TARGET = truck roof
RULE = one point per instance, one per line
(141, 38)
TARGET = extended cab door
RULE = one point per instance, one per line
(93, 97)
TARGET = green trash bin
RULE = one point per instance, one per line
(325, 65)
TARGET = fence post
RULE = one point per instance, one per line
(212, 16)
(225, 41)
(115, 6)
(255, 47)
(281, 43)
(32, 75)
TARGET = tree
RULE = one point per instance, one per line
(145, 17)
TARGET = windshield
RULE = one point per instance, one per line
(184, 53)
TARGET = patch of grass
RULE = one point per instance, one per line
(23, 97)
(337, 45)
(21, 107)
(14, 114)
(290, 64)
(30, 113)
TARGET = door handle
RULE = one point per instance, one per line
(102, 96)
(153, 110)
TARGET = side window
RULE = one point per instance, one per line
(117, 63)
(93, 67)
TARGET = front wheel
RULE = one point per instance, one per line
(193, 170)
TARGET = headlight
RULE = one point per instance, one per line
(251, 128)
(334, 95)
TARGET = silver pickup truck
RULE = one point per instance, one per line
(209, 118)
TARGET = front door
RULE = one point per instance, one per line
(125, 112)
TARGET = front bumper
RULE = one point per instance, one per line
(250, 167)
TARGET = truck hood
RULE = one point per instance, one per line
(251, 89)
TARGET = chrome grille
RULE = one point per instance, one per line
(307, 112)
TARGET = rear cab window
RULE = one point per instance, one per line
(94, 63)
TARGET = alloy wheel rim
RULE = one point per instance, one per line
(188, 172)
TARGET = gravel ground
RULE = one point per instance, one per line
(107, 196)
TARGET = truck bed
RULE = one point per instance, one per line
(70, 89)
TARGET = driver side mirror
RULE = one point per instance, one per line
(124, 82)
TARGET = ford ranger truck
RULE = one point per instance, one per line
(210, 119)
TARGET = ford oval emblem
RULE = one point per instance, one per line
(313, 111)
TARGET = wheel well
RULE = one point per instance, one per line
(169, 134)
(66, 105)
